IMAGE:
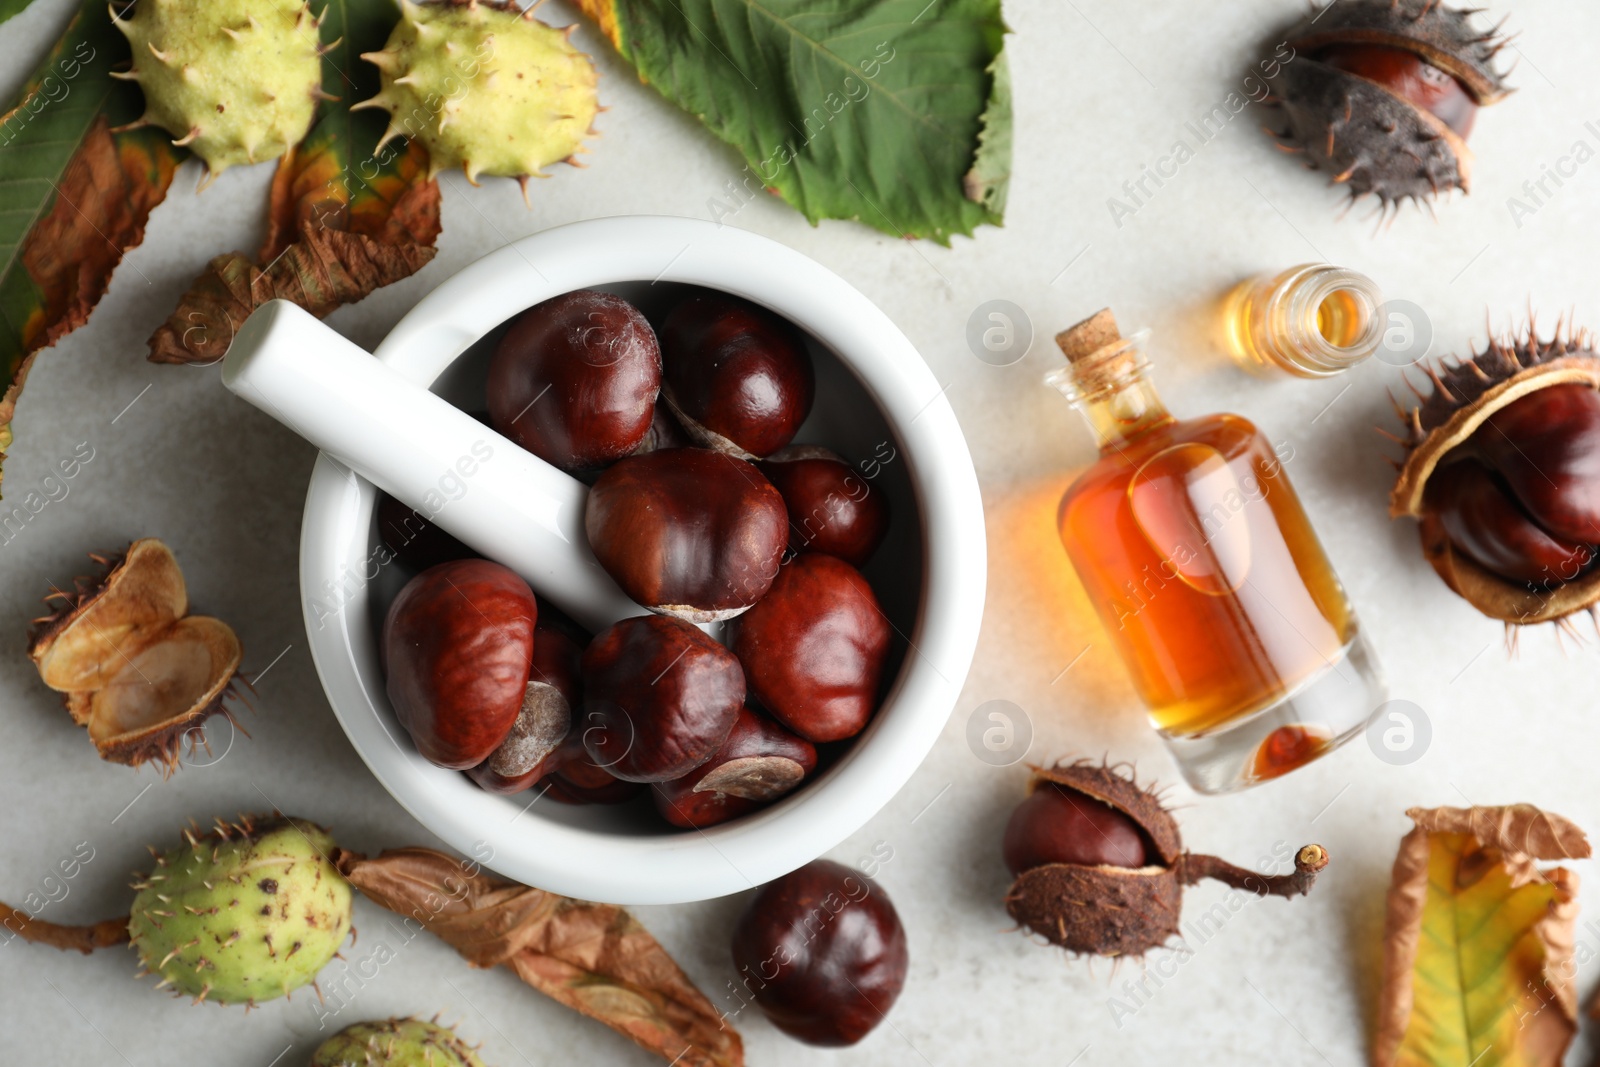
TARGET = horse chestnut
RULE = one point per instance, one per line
(659, 698)
(1100, 867)
(1057, 824)
(824, 952)
(458, 645)
(1409, 77)
(737, 376)
(759, 762)
(548, 708)
(575, 380)
(831, 508)
(814, 648)
(1483, 520)
(687, 532)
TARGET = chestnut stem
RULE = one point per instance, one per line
(1308, 863)
(85, 939)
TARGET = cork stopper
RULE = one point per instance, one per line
(1099, 358)
(1079, 343)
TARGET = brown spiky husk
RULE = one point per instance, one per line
(90, 648)
(1117, 911)
(1462, 397)
(1369, 139)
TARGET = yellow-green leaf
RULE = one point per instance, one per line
(1478, 942)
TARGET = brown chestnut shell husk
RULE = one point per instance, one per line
(1464, 396)
(1371, 139)
(1113, 911)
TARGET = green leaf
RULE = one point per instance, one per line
(8, 8)
(989, 180)
(850, 109)
(73, 195)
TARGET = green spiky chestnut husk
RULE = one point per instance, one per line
(1368, 137)
(248, 912)
(237, 81)
(395, 1043)
(485, 88)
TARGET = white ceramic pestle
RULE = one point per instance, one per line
(515, 508)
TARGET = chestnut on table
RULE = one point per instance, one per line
(823, 952)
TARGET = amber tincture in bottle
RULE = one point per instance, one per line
(1208, 577)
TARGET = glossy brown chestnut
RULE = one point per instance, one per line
(814, 648)
(550, 703)
(1483, 520)
(823, 952)
(1546, 446)
(737, 376)
(659, 697)
(831, 508)
(688, 532)
(575, 380)
(1409, 77)
(1060, 825)
(758, 763)
(458, 644)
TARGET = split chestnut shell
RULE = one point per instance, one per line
(1381, 94)
(1502, 469)
(135, 668)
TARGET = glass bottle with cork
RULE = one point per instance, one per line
(1207, 576)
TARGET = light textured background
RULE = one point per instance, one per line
(1103, 88)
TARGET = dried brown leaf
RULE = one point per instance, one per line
(1478, 940)
(594, 958)
(324, 270)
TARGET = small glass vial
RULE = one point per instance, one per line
(1204, 570)
(1311, 321)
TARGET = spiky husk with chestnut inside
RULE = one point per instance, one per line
(1371, 138)
(1464, 396)
(1106, 910)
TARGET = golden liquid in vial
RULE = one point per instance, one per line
(1205, 571)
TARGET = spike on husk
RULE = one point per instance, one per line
(236, 81)
(1371, 138)
(133, 667)
(486, 89)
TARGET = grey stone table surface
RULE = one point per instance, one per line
(1104, 89)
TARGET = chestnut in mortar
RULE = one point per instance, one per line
(759, 762)
(575, 380)
(823, 952)
(831, 508)
(659, 698)
(688, 532)
(737, 376)
(458, 645)
(814, 648)
(549, 705)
